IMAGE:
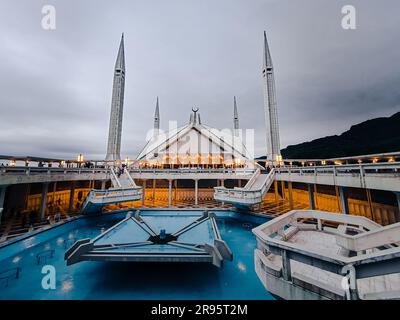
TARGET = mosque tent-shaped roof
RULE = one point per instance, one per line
(195, 139)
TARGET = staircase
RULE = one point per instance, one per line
(251, 194)
(122, 181)
(124, 189)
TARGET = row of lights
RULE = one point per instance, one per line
(13, 163)
(339, 163)
(234, 163)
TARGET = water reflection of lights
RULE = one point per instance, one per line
(16, 259)
(67, 285)
(29, 242)
(241, 266)
(60, 241)
(47, 246)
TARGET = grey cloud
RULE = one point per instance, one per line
(56, 85)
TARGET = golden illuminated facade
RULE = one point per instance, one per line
(195, 145)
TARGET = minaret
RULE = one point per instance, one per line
(117, 106)
(156, 120)
(235, 118)
(270, 106)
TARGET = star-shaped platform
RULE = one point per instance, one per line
(156, 237)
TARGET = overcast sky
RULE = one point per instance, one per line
(56, 85)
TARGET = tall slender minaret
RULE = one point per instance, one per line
(156, 120)
(235, 118)
(270, 106)
(117, 106)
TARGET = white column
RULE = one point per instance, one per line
(27, 193)
(71, 198)
(43, 204)
(398, 205)
(286, 267)
(290, 187)
(311, 196)
(103, 184)
(343, 200)
(54, 197)
(196, 192)
(2, 199)
(2, 195)
(276, 190)
(175, 189)
(154, 190)
(143, 192)
(169, 193)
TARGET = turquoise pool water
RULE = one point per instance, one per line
(115, 280)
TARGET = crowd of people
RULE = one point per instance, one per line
(120, 170)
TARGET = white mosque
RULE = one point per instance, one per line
(195, 144)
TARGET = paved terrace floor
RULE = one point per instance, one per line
(369, 288)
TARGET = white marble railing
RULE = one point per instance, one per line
(14, 175)
(253, 193)
(99, 198)
(385, 176)
(352, 169)
(375, 252)
(183, 171)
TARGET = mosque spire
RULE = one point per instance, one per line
(267, 54)
(117, 105)
(235, 117)
(195, 116)
(270, 106)
(157, 118)
(120, 62)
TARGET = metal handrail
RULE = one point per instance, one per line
(33, 170)
(346, 168)
(98, 195)
(10, 273)
(111, 192)
(130, 178)
(113, 175)
(252, 179)
(190, 170)
(242, 193)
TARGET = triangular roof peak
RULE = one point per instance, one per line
(165, 142)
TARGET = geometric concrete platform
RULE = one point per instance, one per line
(161, 237)
(309, 254)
